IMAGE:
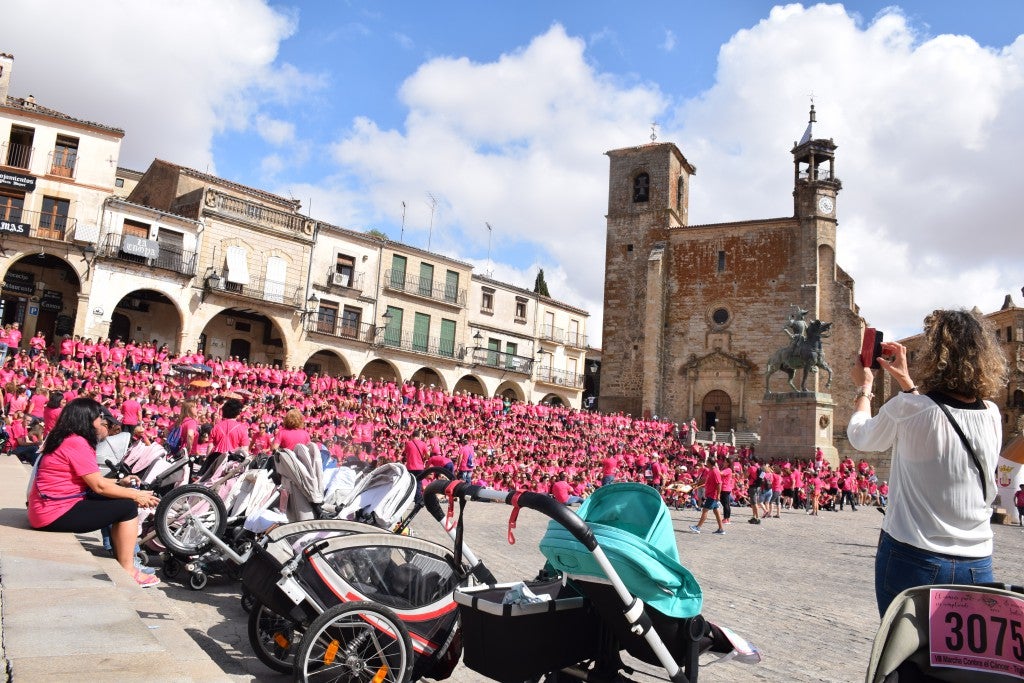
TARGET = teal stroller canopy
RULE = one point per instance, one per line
(632, 525)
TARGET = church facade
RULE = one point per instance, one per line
(693, 313)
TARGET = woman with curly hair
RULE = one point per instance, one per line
(936, 528)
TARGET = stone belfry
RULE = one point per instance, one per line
(648, 195)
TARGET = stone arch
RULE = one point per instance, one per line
(470, 384)
(145, 314)
(381, 369)
(554, 400)
(511, 390)
(41, 293)
(327, 362)
(716, 411)
(430, 377)
(267, 339)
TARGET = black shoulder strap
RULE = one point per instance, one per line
(967, 445)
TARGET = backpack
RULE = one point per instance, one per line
(172, 444)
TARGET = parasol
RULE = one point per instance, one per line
(202, 383)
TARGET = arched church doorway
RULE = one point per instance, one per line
(716, 410)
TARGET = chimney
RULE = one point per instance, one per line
(6, 67)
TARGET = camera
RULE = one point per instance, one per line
(871, 348)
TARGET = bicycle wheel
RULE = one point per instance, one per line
(273, 638)
(355, 642)
(181, 511)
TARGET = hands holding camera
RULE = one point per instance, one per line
(893, 359)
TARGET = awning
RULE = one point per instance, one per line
(238, 267)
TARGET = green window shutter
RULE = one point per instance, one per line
(451, 286)
(426, 279)
(421, 332)
(398, 271)
(393, 332)
(447, 338)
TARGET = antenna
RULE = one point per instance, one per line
(401, 237)
(433, 206)
(490, 271)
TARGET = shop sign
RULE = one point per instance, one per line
(137, 246)
(17, 181)
(14, 228)
(52, 300)
(20, 282)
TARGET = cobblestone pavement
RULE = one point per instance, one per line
(799, 587)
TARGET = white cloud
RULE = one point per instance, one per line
(275, 131)
(669, 43)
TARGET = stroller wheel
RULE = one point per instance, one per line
(182, 511)
(248, 600)
(274, 639)
(171, 568)
(142, 556)
(197, 581)
(356, 641)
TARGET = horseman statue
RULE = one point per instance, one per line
(804, 350)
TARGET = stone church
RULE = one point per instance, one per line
(692, 313)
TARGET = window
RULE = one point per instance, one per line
(54, 218)
(11, 207)
(398, 271)
(451, 286)
(520, 309)
(273, 283)
(573, 337)
(426, 287)
(487, 301)
(327, 317)
(393, 332)
(721, 261)
(350, 319)
(720, 316)
(493, 351)
(511, 351)
(119, 182)
(447, 347)
(344, 270)
(641, 187)
(19, 151)
(238, 268)
(65, 154)
(172, 250)
(139, 231)
(1009, 334)
(421, 332)
(680, 190)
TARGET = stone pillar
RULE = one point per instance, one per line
(794, 424)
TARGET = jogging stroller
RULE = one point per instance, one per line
(620, 588)
(952, 634)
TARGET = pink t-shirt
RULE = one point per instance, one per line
(60, 477)
(228, 435)
(289, 438)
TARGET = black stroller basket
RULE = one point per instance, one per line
(499, 650)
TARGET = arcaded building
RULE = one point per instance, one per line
(692, 313)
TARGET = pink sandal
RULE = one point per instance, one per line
(145, 580)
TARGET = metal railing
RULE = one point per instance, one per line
(169, 258)
(335, 326)
(436, 290)
(577, 340)
(353, 280)
(37, 224)
(562, 378)
(257, 213)
(18, 156)
(258, 288)
(552, 333)
(417, 343)
(502, 361)
(63, 162)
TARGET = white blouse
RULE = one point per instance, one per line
(935, 494)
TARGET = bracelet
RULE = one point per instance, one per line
(865, 393)
(910, 390)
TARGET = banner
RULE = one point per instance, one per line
(1010, 474)
(17, 181)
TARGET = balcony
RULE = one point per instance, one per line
(561, 378)
(552, 333)
(63, 163)
(334, 326)
(435, 290)
(168, 257)
(576, 340)
(259, 214)
(349, 280)
(17, 156)
(502, 361)
(417, 343)
(36, 224)
(258, 289)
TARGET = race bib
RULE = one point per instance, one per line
(976, 631)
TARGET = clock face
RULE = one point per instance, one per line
(825, 205)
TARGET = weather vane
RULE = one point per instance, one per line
(654, 131)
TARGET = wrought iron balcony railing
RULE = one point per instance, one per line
(417, 343)
(168, 257)
(352, 279)
(436, 290)
(258, 288)
(47, 226)
(334, 326)
(17, 156)
(562, 378)
(502, 361)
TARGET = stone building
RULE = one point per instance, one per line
(194, 261)
(693, 312)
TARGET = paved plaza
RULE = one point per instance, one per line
(799, 587)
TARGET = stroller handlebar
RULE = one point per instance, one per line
(540, 502)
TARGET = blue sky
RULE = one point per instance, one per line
(502, 112)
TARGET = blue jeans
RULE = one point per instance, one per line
(899, 566)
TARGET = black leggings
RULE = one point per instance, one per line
(94, 512)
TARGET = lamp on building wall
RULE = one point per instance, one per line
(88, 255)
(386, 319)
(312, 306)
(213, 281)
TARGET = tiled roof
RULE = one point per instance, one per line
(28, 106)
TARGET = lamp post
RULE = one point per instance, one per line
(595, 383)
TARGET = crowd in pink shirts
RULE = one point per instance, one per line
(513, 444)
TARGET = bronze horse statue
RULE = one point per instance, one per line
(806, 354)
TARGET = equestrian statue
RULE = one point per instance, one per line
(804, 351)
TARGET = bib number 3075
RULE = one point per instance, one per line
(976, 630)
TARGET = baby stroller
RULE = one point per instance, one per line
(621, 589)
(367, 605)
(951, 633)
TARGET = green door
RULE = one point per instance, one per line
(393, 332)
(447, 338)
(398, 271)
(421, 332)
(426, 279)
(451, 287)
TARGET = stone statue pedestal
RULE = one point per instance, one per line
(794, 424)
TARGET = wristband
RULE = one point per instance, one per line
(865, 393)
(910, 390)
